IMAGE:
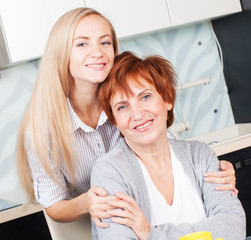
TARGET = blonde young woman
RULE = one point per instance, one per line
(64, 129)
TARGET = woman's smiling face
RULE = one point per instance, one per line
(141, 117)
(92, 52)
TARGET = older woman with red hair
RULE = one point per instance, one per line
(159, 181)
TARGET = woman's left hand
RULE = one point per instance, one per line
(129, 214)
(226, 176)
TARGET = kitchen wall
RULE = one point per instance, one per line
(193, 51)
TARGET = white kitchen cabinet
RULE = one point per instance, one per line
(25, 26)
(187, 11)
(133, 17)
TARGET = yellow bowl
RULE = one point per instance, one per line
(199, 236)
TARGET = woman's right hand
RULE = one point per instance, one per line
(128, 212)
(96, 200)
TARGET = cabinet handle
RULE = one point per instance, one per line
(242, 164)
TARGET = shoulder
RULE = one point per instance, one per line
(115, 160)
(199, 154)
(112, 157)
(192, 147)
(114, 171)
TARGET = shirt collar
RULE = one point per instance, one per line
(77, 123)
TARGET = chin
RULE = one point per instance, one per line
(148, 142)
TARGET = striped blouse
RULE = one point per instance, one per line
(92, 143)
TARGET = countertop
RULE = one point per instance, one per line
(21, 210)
(228, 139)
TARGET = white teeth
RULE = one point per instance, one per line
(142, 126)
(95, 65)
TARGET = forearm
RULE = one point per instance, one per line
(227, 226)
(114, 231)
(68, 210)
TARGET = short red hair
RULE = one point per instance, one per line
(156, 70)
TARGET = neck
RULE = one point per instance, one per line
(85, 103)
(157, 154)
(157, 160)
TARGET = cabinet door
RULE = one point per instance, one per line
(185, 11)
(26, 25)
(130, 17)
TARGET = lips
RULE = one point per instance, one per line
(96, 66)
(144, 126)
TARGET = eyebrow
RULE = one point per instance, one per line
(119, 103)
(85, 37)
(142, 93)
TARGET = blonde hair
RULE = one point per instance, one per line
(47, 116)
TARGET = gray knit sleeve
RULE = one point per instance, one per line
(106, 176)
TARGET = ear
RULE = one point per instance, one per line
(169, 106)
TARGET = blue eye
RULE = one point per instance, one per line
(83, 44)
(120, 108)
(145, 97)
(106, 43)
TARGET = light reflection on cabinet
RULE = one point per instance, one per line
(186, 11)
(132, 17)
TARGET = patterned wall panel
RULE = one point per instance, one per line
(191, 49)
(194, 54)
(16, 85)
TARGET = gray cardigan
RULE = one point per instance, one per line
(119, 171)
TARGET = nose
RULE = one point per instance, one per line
(96, 51)
(137, 112)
